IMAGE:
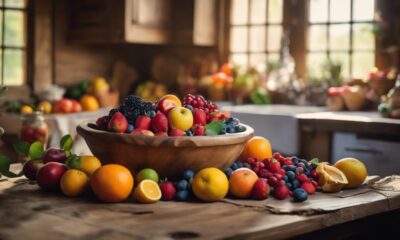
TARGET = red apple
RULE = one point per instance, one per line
(54, 155)
(64, 105)
(48, 177)
(139, 131)
(143, 122)
(180, 118)
(31, 168)
(76, 106)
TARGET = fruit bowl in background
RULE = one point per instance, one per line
(169, 156)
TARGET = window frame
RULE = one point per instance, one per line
(27, 49)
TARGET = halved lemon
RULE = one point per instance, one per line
(331, 179)
(147, 191)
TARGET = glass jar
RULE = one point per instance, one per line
(34, 128)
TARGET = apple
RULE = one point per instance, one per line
(180, 118)
(31, 168)
(76, 106)
(166, 104)
(145, 132)
(54, 154)
(64, 105)
(48, 177)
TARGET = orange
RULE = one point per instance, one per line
(89, 103)
(147, 191)
(331, 179)
(73, 182)
(355, 171)
(172, 98)
(257, 147)
(112, 183)
(45, 107)
(241, 182)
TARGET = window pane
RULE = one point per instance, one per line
(315, 62)
(274, 38)
(259, 61)
(257, 38)
(317, 37)
(339, 37)
(340, 11)
(344, 60)
(239, 11)
(239, 59)
(363, 37)
(318, 11)
(362, 64)
(13, 67)
(258, 11)
(14, 30)
(363, 10)
(1, 24)
(14, 3)
(275, 10)
(273, 57)
(238, 39)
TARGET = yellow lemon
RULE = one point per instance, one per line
(331, 179)
(73, 182)
(100, 85)
(87, 164)
(26, 109)
(89, 103)
(355, 171)
(147, 191)
(45, 107)
(210, 185)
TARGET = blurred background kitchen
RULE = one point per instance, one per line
(318, 78)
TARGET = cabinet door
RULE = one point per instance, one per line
(147, 21)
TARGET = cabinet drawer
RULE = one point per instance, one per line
(379, 155)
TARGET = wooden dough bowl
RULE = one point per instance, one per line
(169, 156)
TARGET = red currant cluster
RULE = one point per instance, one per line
(200, 103)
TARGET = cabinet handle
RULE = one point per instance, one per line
(363, 150)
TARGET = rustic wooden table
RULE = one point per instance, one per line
(28, 213)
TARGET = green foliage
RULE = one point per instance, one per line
(214, 128)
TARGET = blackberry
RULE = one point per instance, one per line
(133, 106)
(112, 111)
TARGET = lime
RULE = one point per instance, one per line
(146, 173)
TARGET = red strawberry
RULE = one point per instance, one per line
(273, 181)
(199, 117)
(276, 155)
(302, 177)
(281, 192)
(118, 123)
(199, 130)
(260, 189)
(314, 183)
(159, 123)
(168, 191)
(143, 122)
(278, 176)
(282, 172)
(308, 187)
(274, 166)
(176, 132)
(287, 162)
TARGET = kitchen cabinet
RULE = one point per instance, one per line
(129, 21)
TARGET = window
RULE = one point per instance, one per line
(255, 32)
(13, 42)
(341, 31)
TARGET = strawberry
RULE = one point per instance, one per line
(281, 192)
(198, 130)
(260, 189)
(159, 123)
(118, 123)
(302, 177)
(308, 187)
(282, 172)
(199, 117)
(274, 166)
(143, 122)
(168, 191)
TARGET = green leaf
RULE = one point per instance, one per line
(36, 150)
(214, 128)
(73, 161)
(22, 147)
(66, 142)
(4, 164)
(314, 161)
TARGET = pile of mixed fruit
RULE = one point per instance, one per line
(169, 116)
(257, 175)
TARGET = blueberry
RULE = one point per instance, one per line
(292, 168)
(284, 167)
(295, 160)
(239, 164)
(285, 178)
(182, 195)
(228, 172)
(189, 107)
(289, 185)
(233, 121)
(182, 185)
(130, 128)
(230, 129)
(306, 172)
(189, 133)
(296, 183)
(234, 166)
(188, 174)
(291, 175)
(246, 165)
(299, 195)
(152, 113)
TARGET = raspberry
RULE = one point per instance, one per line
(302, 177)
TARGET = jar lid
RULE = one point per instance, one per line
(31, 116)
